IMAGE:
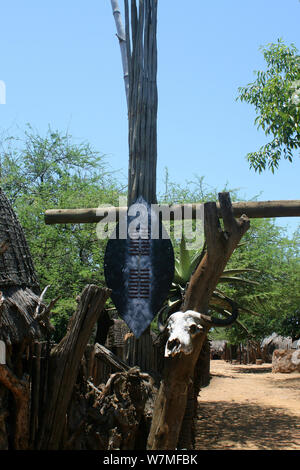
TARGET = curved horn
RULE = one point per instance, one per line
(160, 323)
(212, 321)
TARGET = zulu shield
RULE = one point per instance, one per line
(139, 268)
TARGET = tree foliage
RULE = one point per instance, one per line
(276, 257)
(44, 172)
(275, 95)
(51, 171)
(266, 256)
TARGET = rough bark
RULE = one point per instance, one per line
(201, 379)
(64, 364)
(170, 404)
(171, 401)
(110, 358)
(220, 246)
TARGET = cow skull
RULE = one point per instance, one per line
(182, 328)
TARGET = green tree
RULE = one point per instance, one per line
(267, 249)
(45, 172)
(275, 95)
(266, 256)
(291, 326)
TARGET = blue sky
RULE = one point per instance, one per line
(61, 65)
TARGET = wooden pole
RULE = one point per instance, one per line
(142, 99)
(253, 210)
(122, 42)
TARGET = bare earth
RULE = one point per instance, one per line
(247, 407)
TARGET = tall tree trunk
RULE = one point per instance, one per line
(171, 401)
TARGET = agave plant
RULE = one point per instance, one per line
(185, 264)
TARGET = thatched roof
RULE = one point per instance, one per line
(275, 341)
(16, 267)
(217, 345)
(16, 317)
(19, 287)
(117, 333)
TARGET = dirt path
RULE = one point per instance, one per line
(248, 407)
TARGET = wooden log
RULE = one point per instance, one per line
(171, 400)
(64, 364)
(253, 210)
(110, 358)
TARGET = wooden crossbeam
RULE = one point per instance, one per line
(253, 210)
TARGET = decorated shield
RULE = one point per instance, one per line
(139, 266)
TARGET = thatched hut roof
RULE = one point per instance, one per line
(275, 341)
(19, 286)
(217, 346)
(296, 344)
(16, 266)
(117, 334)
(17, 315)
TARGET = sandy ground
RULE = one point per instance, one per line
(247, 407)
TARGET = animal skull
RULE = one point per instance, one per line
(182, 328)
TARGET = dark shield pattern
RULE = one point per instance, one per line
(139, 266)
